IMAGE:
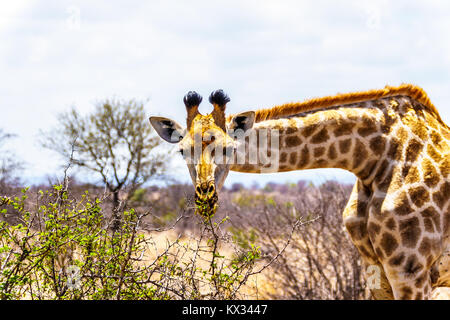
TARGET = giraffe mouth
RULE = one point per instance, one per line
(206, 207)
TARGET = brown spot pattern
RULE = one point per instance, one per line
(383, 184)
(395, 149)
(367, 170)
(290, 130)
(391, 224)
(397, 260)
(425, 246)
(292, 141)
(356, 229)
(388, 243)
(419, 196)
(421, 280)
(321, 136)
(343, 164)
(413, 150)
(332, 154)
(403, 207)
(412, 265)
(431, 220)
(435, 137)
(402, 134)
(433, 153)
(444, 167)
(344, 129)
(319, 151)
(411, 174)
(368, 127)
(373, 229)
(441, 197)
(293, 158)
(378, 144)
(410, 232)
(344, 145)
(304, 157)
(360, 154)
(309, 130)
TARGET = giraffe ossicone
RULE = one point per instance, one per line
(394, 141)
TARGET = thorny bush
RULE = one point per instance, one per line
(62, 247)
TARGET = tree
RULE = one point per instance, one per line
(9, 164)
(236, 187)
(115, 141)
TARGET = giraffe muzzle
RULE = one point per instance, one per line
(206, 198)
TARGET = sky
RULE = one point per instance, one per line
(59, 54)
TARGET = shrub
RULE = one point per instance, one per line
(63, 248)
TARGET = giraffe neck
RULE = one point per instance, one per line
(350, 137)
(399, 150)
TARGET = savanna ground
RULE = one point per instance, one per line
(283, 241)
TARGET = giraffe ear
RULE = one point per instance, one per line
(167, 129)
(242, 121)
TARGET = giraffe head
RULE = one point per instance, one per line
(208, 144)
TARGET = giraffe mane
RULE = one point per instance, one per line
(292, 108)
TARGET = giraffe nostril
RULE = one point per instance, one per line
(205, 189)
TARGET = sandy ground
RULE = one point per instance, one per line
(256, 287)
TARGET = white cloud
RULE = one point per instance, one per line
(10, 13)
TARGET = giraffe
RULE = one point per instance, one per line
(392, 139)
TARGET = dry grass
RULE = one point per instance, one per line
(256, 286)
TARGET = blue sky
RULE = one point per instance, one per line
(58, 54)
